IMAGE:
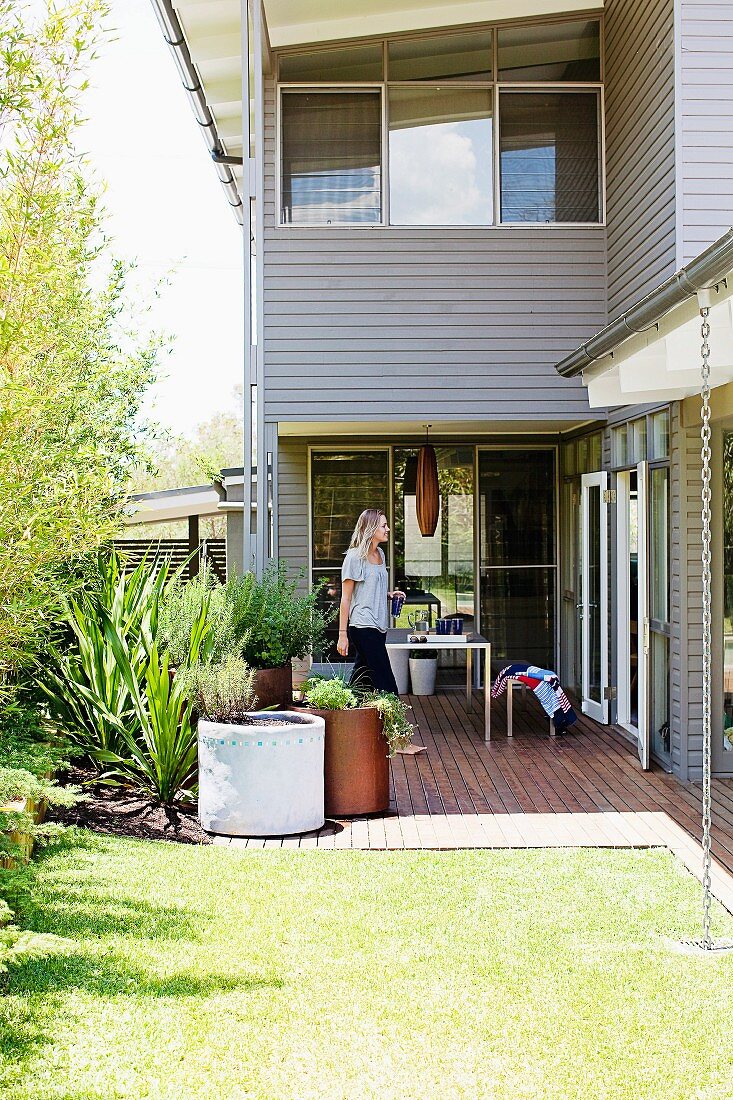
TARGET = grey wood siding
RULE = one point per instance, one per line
(686, 602)
(706, 122)
(292, 504)
(419, 323)
(640, 148)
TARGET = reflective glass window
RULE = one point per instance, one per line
(517, 541)
(465, 57)
(436, 572)
(343, 484)
(352, 64)
(553, 52)
(331, 158)
(550, 156)
(440, 159)
(659, 443)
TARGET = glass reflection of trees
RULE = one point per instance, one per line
(441, 566)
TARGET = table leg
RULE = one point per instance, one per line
(510, 709)
(469, 678)
(487, 693)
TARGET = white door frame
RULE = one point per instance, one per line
(644, 730)
(599, 482)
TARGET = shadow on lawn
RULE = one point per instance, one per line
(111, 975)
(35, 1001)
(33, 994)
(77, 909)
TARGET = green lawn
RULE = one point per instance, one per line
(201, 972)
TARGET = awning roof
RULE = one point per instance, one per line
(652, 352)
(292, 22)
(172, 504)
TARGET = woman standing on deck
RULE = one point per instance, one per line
(364, 610)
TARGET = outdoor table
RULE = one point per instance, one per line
(397, 639)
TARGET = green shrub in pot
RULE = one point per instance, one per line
(267, 621)
(222, 692)
(334, 693)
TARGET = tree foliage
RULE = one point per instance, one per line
(71, 375)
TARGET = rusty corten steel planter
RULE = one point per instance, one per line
(356, 763)
(274, 686)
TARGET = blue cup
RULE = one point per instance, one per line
(457, 625)
(443, 626)
(397, 605)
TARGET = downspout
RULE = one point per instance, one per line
(705, 271)
(173, 34)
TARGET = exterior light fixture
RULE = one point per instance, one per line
(427, 494)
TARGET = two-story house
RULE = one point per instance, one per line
(443, 202)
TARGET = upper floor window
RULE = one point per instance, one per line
(550, 151)
(331, 150)
(552, 52)
(496, 126)
(440, 155)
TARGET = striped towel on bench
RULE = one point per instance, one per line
(546, 686)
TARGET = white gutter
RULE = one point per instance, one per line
(174, 36)
(707, 270)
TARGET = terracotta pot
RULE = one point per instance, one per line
(356, 762)
(274, 686)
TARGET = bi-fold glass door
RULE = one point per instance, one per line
(643, 628)
(593, 605)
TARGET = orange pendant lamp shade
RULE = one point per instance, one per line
(427, 494)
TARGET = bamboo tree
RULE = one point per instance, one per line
(71, 376)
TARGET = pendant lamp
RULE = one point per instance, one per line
(427, 494)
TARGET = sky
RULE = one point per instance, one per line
(168, 212)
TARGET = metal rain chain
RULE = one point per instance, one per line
(706, 944)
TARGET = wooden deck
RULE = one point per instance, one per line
(584, 788)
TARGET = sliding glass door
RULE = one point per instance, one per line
(343, 484)
(436, 572)
(518, 553)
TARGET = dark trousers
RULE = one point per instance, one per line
(372, 668)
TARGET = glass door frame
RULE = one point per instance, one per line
(641, 731)
(588, 482)
(535, 446)
(389, 446)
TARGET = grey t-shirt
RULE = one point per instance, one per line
(369, 602)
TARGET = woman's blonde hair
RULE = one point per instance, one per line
(365, 530)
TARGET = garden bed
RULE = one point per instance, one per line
(118, 811)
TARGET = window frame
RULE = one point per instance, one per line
(562, 89)
(496, 87)
(330, 88)
(474, 86)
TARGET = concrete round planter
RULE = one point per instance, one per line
(356, 763)
(260, 779)
(399, 660)
(423, 671)
(274, 686)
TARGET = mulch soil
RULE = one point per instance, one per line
(118, 811)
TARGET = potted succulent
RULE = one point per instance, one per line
(260, 773)
(423, 670)
(362, 732)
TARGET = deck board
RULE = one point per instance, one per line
(583, 788)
